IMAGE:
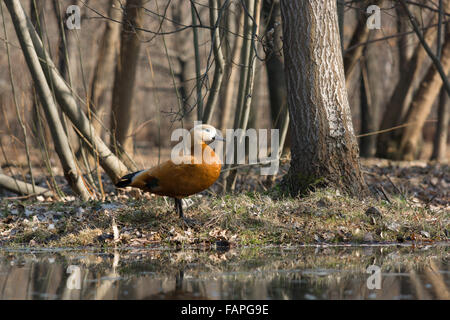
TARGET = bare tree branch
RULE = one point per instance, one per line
(60, 140)
(427, 48)
(113, 166)
(219, 61)
(21, 187)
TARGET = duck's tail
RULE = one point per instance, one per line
(126, 180)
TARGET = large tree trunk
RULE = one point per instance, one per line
(324, 149)
(422, 104)
(105, 64)
(122, 101)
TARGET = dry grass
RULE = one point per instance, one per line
(252, 218)
(415, 210)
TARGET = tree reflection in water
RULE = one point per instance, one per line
(330, 272)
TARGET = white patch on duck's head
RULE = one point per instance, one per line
(204, 133)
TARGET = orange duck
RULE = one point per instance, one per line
(190, 176)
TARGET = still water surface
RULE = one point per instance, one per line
(330, 272)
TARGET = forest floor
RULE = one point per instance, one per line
(410, 204)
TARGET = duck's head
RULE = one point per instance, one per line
(204, 133)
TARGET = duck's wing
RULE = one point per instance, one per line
(145, 180)
(164, 177)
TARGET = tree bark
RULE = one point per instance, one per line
(422, 104)
(405, 44)
(275, 67)
(368, 123)
(104, 67)
(440, 138)
(58, 134)
(122, 101)
(37, 20)
(324, 149)
(341, 19)
(187, 68)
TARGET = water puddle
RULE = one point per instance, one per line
(330, 272)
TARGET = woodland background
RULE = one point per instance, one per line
(156, 89)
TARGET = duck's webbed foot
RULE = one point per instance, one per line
(191, 222)
(179, 209)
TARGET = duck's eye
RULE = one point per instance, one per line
(207, 130)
